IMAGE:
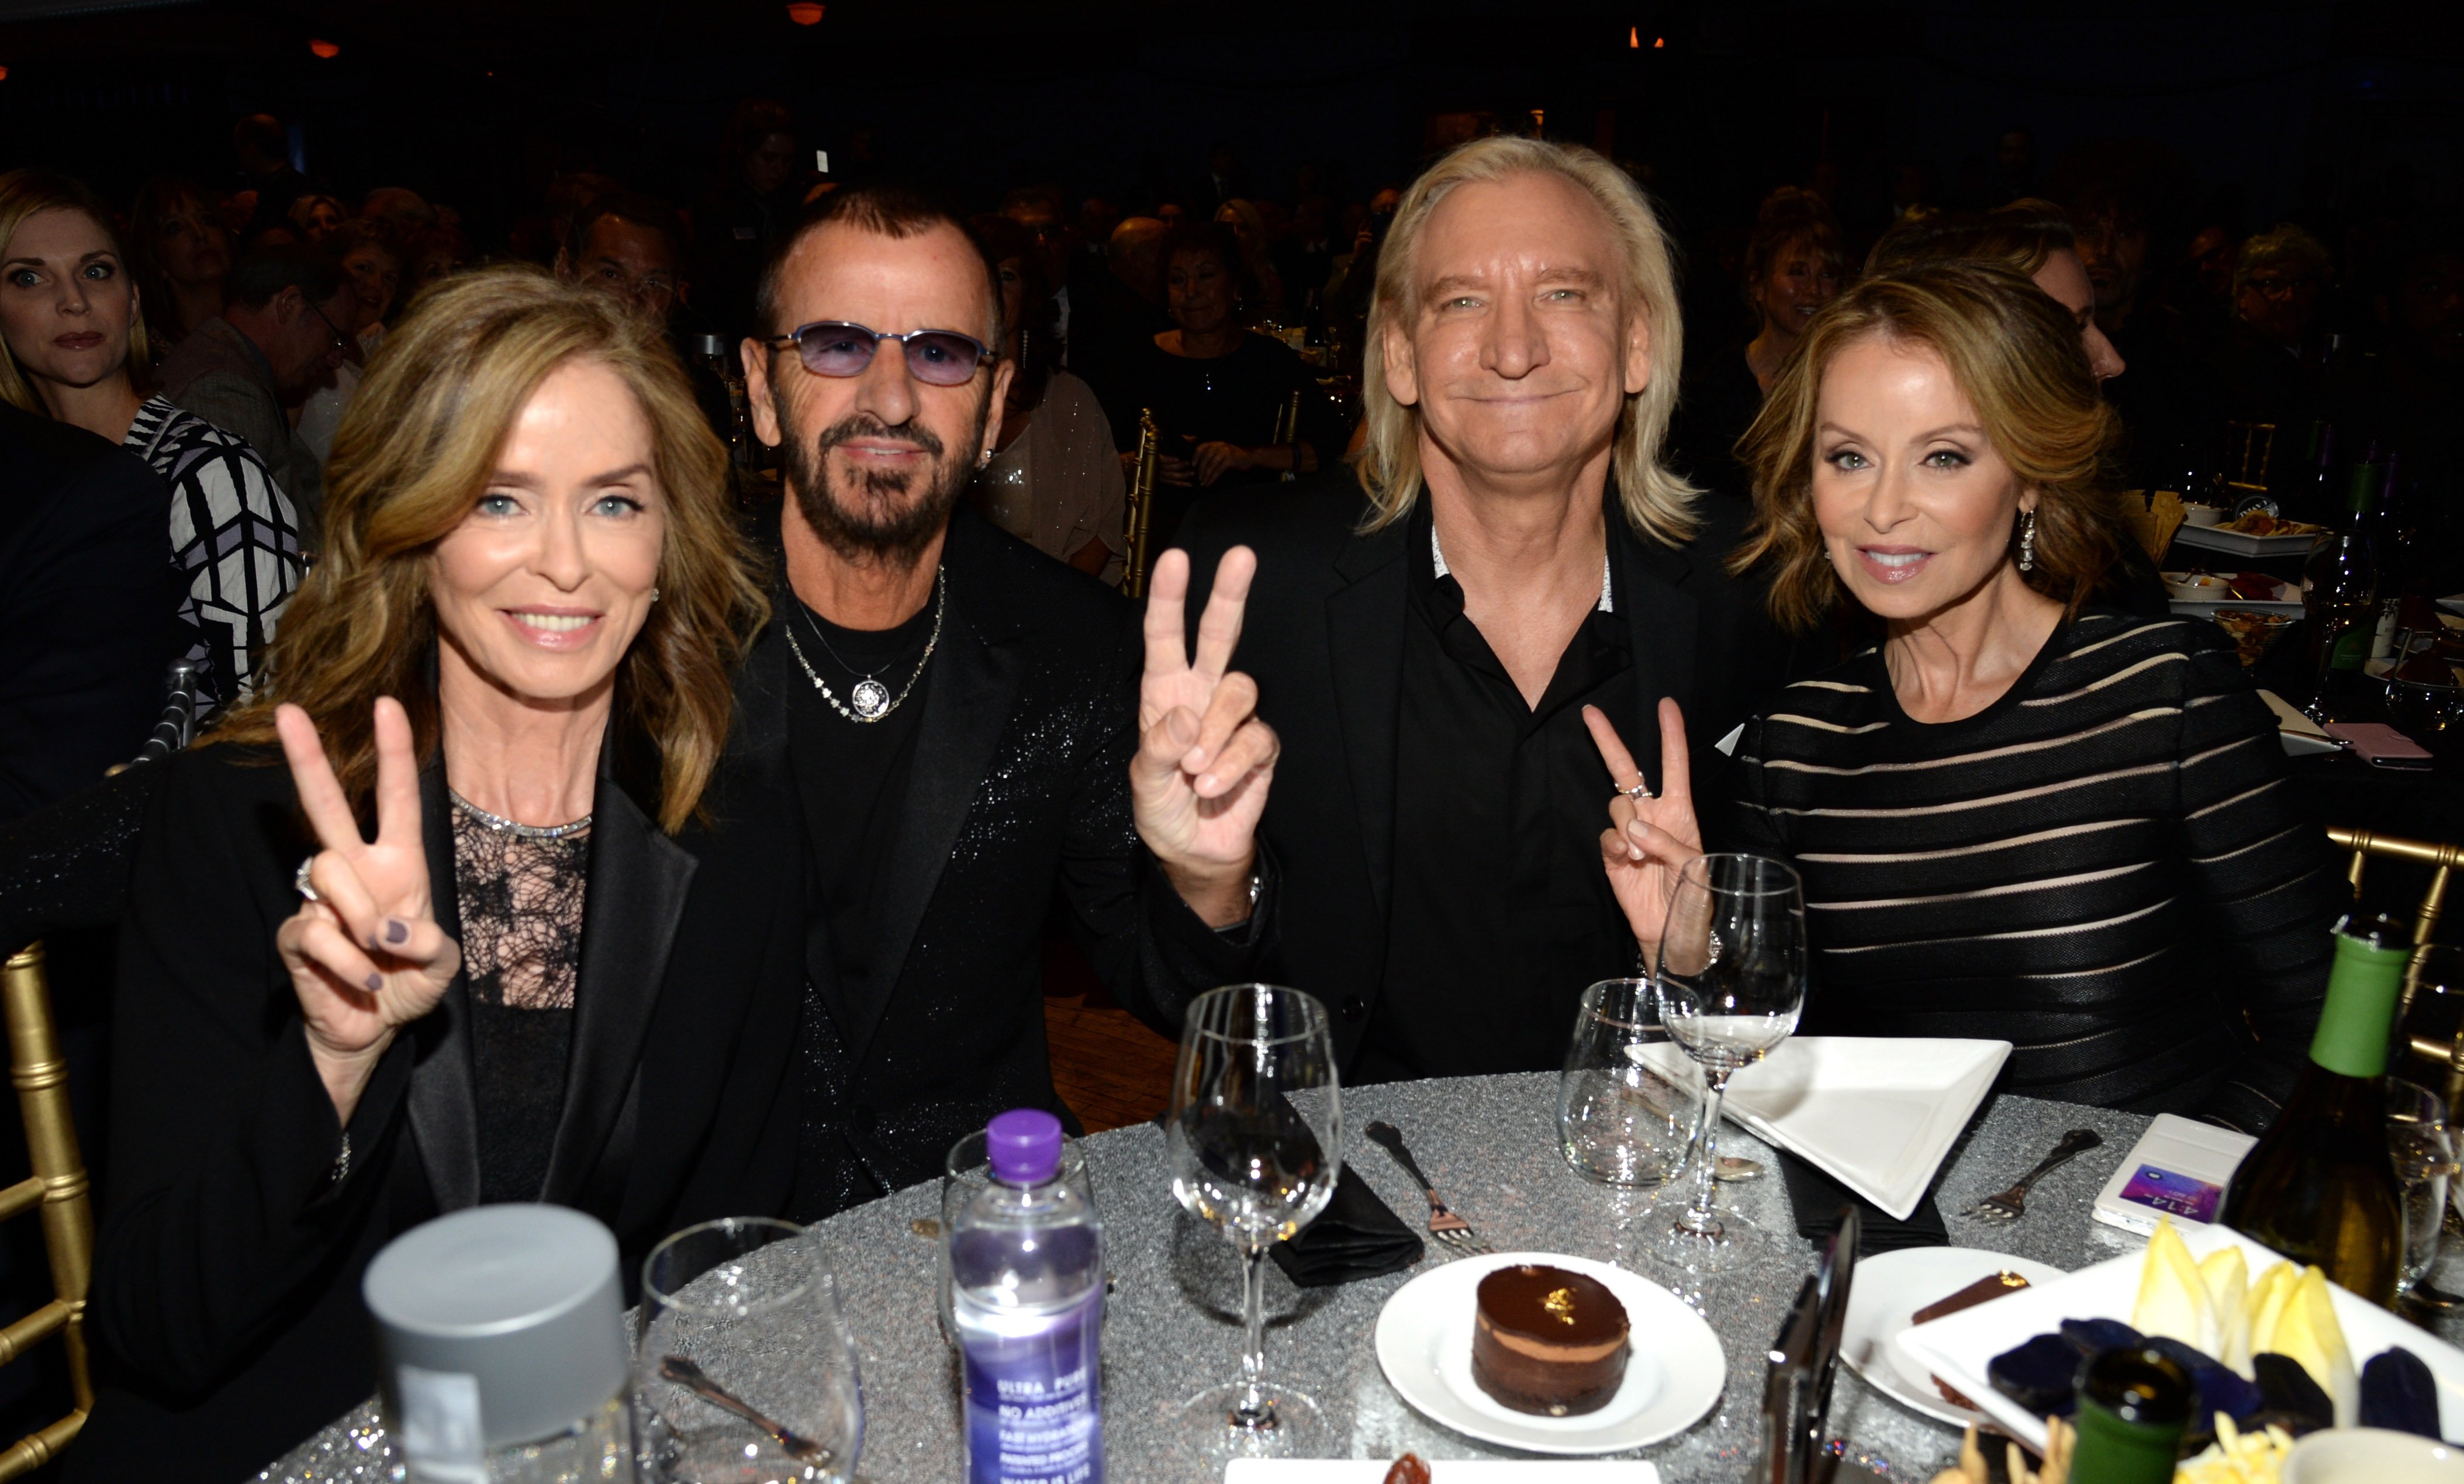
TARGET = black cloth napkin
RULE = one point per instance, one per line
(1816, 1198)
(1356, 1236)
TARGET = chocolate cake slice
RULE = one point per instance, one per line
(1549, 1342)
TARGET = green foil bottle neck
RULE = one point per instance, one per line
(2363, 989)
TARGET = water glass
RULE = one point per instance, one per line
(745, 1373)
(2424, 1158)
(1628, 1100)
(1730, 986)
(1255, 1144)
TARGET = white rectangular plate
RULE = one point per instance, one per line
(1877, 1113)
(1959, 1347)
(1442, 1471)
(2287, 600)
(2235, 543)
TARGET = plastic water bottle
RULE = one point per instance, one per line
(1026, 1296)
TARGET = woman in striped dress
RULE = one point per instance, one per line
(2022, 814)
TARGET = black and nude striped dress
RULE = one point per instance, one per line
(2106, 867)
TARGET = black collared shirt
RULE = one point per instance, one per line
(1502, 913)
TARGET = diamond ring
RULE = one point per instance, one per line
(1639, 792)
(299, 881)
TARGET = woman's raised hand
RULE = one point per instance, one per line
(366, 954)
(1648, 840)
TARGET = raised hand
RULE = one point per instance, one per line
(366, 954)
(1198, 782)
(1648, 840)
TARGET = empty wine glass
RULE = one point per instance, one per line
(1628, 1100)
(2424, 1148)
(1255, 1144)
(745, 1373)
(1730, 986)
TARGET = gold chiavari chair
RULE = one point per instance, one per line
(2429, 1037)
(59, 1189)
(2442, 859)
(1138, 516)
(2248, 448)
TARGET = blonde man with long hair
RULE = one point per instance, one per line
(1408, 650)
(514, 923)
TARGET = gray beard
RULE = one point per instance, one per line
(877, 517)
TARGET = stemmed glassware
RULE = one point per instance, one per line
(1255, 1142)
(745, 1372)
(1730, 986)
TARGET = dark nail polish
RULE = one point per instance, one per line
(397, 930)
(376, 984)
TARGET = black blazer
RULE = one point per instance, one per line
(88, 600)
(1324, 640)
(1019, 791)
(226, 1299)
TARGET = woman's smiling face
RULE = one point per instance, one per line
(1915, 504)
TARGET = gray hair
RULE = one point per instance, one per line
(1659, 502)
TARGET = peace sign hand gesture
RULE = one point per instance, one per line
(1199, 783)
(1648, 840)
(366, 954)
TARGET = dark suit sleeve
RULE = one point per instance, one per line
(86, 610)
(222, 1204)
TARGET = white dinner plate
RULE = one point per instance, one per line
(1672, 1378)
(2235, 543)
(1892, 1286)
(1878, 1113)
(2203, 602)
(1958, 1347)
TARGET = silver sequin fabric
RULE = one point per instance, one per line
(1489, 1143)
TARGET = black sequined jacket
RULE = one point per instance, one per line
(1019, 791)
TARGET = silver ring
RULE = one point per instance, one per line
(299, 881)
(1639, 793)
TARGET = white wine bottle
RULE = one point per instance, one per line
(2321, 1188)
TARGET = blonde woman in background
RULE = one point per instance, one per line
(567, 965)
(72, 344)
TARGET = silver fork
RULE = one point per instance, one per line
(2012, 1203)
(1448, 1228)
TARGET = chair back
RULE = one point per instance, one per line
(2248, 448)
(59, 1189)
(1139, 517)
(2442, 859)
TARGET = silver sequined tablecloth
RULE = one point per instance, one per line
(1173, 1323)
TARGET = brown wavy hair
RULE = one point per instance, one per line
(411, 458)
(2015, 354)
(2022, 236)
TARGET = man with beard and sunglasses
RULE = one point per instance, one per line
(959, 711)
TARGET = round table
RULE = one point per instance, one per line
(1173, 1321)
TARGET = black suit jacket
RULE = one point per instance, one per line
(87, 605)
(1324, 640)
(1019, 789)
(226, 1299)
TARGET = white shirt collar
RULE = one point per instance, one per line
(1607, 599)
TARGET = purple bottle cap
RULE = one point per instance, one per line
(1024, 1144)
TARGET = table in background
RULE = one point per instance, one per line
(1173, 1321)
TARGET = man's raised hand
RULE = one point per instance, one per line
(1199, 783)
(1648, 840)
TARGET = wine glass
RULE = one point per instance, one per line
(1255, 1144)
(1627, 1101)
(2424, 1148)
(745, 1373)
(1730, 986)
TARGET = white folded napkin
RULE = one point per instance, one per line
(1442, 1471)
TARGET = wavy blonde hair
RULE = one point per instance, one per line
(412, 457)
(22, 194)
(2015, 356)
(1656, 500)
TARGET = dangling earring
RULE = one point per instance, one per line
(2028, 541)
(654, 595)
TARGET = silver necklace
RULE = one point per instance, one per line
(503, 825)
(871, 699)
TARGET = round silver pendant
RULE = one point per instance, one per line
(871, 699)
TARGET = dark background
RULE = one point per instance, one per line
(2304, 109)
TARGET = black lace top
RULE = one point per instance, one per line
(521, 891)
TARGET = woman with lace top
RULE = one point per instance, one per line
(514, 923)
(72, 345)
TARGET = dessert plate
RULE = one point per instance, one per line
(1442, 1471)
(1890, 1288)
(2241, 543)
(1958, 1346)
(1672, 1378)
